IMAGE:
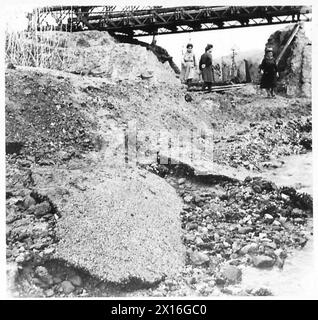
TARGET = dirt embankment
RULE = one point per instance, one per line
(73, 200)
(295, 65)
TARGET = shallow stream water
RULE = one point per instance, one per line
(295, 172)
(298, 277)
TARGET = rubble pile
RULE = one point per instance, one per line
(31, 220)
(230, 225)
(43, 118)
(260, 144)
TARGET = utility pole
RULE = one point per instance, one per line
(233, 65)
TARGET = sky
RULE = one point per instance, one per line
(242, 39)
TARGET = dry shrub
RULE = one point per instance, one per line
(35, 49)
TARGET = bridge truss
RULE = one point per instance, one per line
(136, 21)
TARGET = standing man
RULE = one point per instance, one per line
(269, 71)
(206, 68)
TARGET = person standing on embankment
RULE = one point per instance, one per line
(206, 68)
(188, 65)
(269, 71)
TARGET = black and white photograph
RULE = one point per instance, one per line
(158, 150)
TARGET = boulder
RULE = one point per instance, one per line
(67, 287)
(263, 261)
(42, 209)
(198, 258)
(244, 230)
(249, 248)
(231, 273)
(76, 280)
(29, 202)
(42, 274)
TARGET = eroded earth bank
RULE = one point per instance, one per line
(205, 209)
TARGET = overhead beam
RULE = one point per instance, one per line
(141, 22)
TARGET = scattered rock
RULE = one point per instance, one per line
(198, 258)
(297, 212)
(192, 226)
(188, 199)
(181, 181)
(20, 258)
(49, 251)
(232, 274)
(244, 230)
(76, 280)
(276, 223)
(249, 248)
(261, 292)
(10, 65)
(49, 293)
(29, 202)
(198, 241)
(42, 274)
(263, 261)
(189, 237)
(188, 97)
(57, 280)
(268, 217)
(67, 287)
(270, 244)
(220, 281)
(42, 209)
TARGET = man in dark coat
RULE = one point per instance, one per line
(206, 68)
(269, 71)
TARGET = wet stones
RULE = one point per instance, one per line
(296, 213)
(188, 97)
(67, 287)
(198, 258)
(192, 226)
(76, 280)
(49, 293)
(42, 209)
(263, 261)
(29, 202)
(42, 274)
(30, 232)
(188, 199)
(244, 230)
(249, 248)
(232, 273)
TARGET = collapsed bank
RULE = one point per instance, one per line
(85, 219)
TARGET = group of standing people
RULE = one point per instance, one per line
(268, 69)
(189, 65)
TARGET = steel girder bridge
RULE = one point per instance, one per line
(134, 21)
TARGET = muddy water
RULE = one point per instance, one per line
(298, 277)
(296, 172)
